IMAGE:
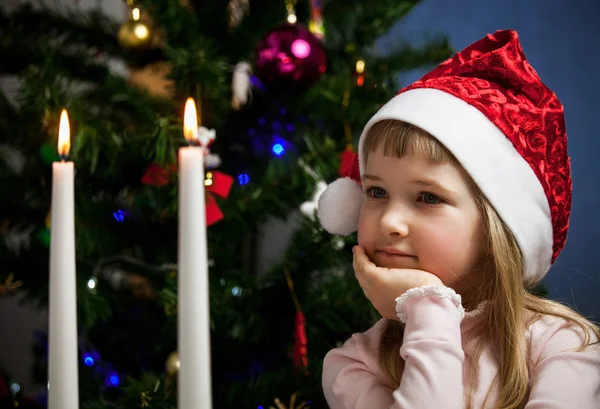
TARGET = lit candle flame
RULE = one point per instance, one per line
(64, 134)
(190, 121)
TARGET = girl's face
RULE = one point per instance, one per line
(421, 214)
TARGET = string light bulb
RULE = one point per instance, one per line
(360, 66)
(208, 181)
(291, 12)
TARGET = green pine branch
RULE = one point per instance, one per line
(405, 57)
(359, 23)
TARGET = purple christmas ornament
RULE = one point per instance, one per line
(290, 57)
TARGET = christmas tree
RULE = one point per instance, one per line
(286, 86)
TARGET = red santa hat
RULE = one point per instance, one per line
(488, 107)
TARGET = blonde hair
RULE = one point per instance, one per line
(504, 327)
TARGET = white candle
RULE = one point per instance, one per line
(194, 377)
(62, 360)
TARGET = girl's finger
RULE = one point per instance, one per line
(361, 278)
(359, 271)
(360, 260)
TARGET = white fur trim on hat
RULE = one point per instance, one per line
(339, 206)
(503, 176)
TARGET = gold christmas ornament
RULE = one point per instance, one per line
(172, 364)
(137, 32)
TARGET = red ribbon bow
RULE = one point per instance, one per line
(220, 186)
(156, 175)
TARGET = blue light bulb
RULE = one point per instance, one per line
(88, 360)
(119, 216)
(114, 379)
(243, 179)
(278, 149)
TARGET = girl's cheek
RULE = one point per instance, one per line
(361, 233)
(366, 225)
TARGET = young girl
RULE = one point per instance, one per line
(467, 195)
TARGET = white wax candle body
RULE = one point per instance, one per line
(194, 377)
(62, 343)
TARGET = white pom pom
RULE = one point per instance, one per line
(339, 206)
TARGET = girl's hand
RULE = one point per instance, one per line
(383, 285)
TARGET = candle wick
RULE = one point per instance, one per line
(63, 157)
(193, 142)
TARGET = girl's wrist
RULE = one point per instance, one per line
(432, 281)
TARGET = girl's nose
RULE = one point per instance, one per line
(394, 221)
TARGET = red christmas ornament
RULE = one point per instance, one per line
(290, 57)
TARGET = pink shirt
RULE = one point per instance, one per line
(436, 351)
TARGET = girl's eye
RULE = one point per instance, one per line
(376, 192)
(430, 198)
